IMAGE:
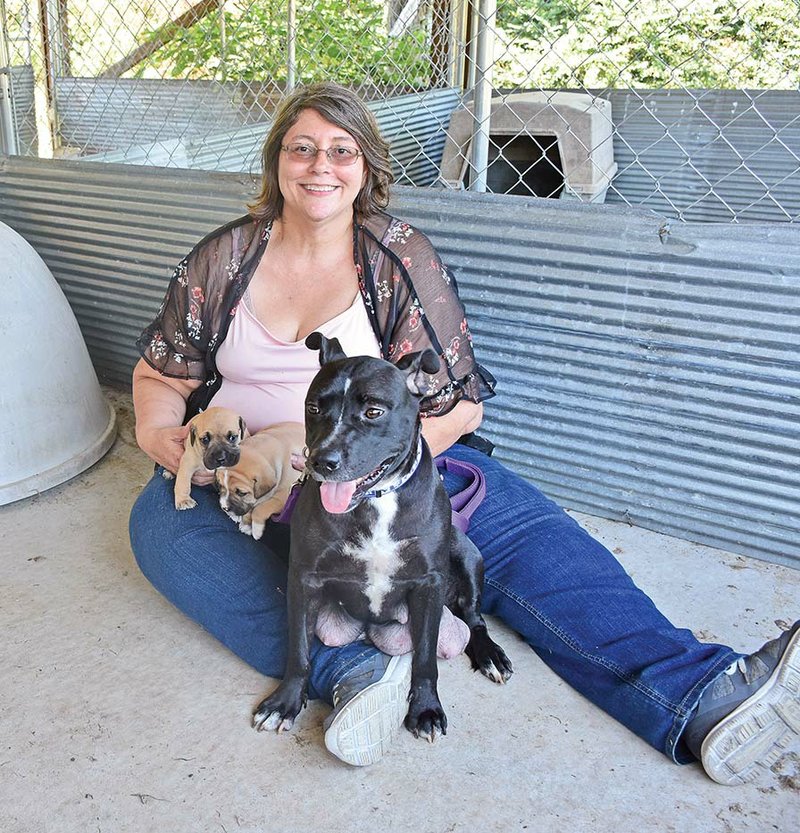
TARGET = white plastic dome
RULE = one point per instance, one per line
(54, 420)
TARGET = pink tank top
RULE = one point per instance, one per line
(265, 380)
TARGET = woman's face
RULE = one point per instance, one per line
(315, 189)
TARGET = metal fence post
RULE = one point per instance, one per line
(291, 42)
(8, 133)
(482, 94)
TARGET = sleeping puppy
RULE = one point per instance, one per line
(258, 485)
(213, 441)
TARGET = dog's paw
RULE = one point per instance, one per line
(277, 712)
(429, 724)
(185, 503)
(257, 530)
(489, 658)
(425, 718)
(267, 721)
(245, 526)
(167, 475)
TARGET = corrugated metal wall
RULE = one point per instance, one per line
(414, 124)
(645, 374)
(707, 155)
(23, 109)
(111, 113)
(699, 155)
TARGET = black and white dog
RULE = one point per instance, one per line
(371, 533)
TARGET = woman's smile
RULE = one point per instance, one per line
(315, 189)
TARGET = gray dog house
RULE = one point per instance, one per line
(56, 421)
(543, 144)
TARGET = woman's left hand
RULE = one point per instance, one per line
(441, 432)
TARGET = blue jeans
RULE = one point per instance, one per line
(546, 578)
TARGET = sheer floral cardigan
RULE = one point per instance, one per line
(410, 296)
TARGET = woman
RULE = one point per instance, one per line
(318, 253)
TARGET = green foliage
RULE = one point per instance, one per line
(345, 41)
(713, 44)
(545, 43)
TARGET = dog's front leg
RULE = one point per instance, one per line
(265, 509)
(183, 483)
(279, 710)
(426, 717)
(466, 566)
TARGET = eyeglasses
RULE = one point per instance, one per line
(339, 155)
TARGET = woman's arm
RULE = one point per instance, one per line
(441, 432)
(159, 403)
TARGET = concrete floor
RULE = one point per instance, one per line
(118, 714)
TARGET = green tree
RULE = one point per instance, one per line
(649, 43)
(347, 42)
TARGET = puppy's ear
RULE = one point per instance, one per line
(242, 428)
(192, 435)
(329, 348)
(415, 366)
(261, 487)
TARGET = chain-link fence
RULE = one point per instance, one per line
(687, 107)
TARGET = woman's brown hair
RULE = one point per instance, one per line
(345, 109)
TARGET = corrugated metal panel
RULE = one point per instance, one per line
(23, 109)
(708, 155)
(107, 114)
(644, 374)
(414, 124)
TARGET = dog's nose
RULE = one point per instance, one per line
(327, 462)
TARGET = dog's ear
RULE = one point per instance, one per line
(415, 365)
(329, 348)
(262, 487)
(192, 435)
(242, 428)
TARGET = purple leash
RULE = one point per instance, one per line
(463, 503)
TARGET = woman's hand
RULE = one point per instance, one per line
(163, 445)
(441, 432)
(159, 403)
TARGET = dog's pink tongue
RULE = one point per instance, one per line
(336, 497)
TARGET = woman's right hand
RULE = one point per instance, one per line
(160, 406)
(164, 446)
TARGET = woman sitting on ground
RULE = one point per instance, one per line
(317, 252)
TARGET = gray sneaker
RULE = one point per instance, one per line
(747, 717)
(369, 706)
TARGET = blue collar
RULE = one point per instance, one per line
(400, 483)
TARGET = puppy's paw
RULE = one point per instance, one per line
(167, 475)
(185, 503)
(245, 526)
(257, 530)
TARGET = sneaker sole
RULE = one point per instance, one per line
(755, 735)
(364, 730)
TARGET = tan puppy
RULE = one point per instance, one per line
(259, 484)
(213, 440)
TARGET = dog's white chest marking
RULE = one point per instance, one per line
(379, 552)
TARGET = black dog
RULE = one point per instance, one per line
(371, 532)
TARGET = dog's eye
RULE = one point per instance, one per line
(205, 439)
(312, 409)
(241, 492)
(373, 413)
(232, 438)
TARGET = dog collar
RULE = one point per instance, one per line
(400, 483)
